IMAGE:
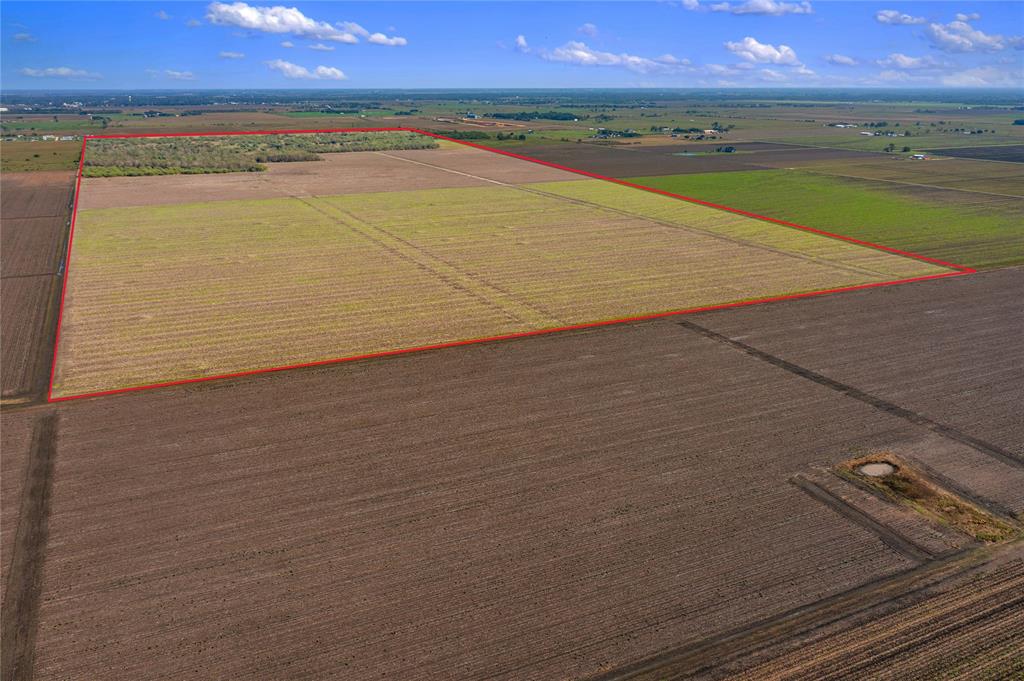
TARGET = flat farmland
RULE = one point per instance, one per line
(35, 210)
(1013, 153)
(185, 290)
(550, 507)
(969, 228)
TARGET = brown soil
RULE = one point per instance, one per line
(38, 194)
(31, 245)
(593, 497)
(639, 161)
(22, 324)
(347, 173)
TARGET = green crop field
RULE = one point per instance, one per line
(27, 156)
(981, 233)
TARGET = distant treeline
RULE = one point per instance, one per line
(232, 153)
(538, 115)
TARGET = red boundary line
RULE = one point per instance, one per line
(959, 269)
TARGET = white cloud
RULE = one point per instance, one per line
(896, 18)
(231, 55)
(375, 38)
(897, 60)
(974, 16)
(671, 60)
(275, 19)
(162, 15)
(24, 38)
(575, 52)
(769, 7)
(60, 72)
(521, 44)
(763, 53)
(772, 76)
(690, 4)
(588, 29)
(296, 72)
(179, 75)
(960, 36)
(320, 47)
(983, 76)
(381, 39)
(840, 60)
(287, 43)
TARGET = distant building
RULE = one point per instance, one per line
(918, 157)
(710, 132)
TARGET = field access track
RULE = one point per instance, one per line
(336, 262)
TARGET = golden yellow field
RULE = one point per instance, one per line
(168, 292)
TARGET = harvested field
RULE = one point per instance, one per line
(630, 161)
(23, 322)
(628, 500)
(335, 174)
(944, 339)
(203, 289)
(31, 246)
(35, 210)
(35, 195)
(1013, 153)
(15, 446)
(973, 630)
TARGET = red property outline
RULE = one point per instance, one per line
(959, 270)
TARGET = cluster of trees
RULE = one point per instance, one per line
(235, 153)
(511, 136)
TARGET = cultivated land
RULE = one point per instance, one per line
(34, 215)
(560, 506)
(199, 289)
(649, 500)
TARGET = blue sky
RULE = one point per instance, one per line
(687, 43)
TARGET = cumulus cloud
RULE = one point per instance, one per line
(60, 72)
(375, 38)
(162, 15)
(320, 47)
(897, 60)
(840, 60)
(960, 36)
(769, 7)
(287, 43)
(521, 44)
(974, 16)
(763, 53)
(296, 72)
(575, 52)
(588, 29)
(231, 55)
(289, 20)
(179, 75)
(24, 38)
(690, 4)
(896, 18)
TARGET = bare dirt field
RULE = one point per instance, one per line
(633, 161)
(954, 362)
(201, 289)
(31, 245)
(628, 499)
(22, 319)
(38, 194)
(343, 173)
(1004, 152)
(35, 210)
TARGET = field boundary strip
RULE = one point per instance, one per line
(957, 270)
